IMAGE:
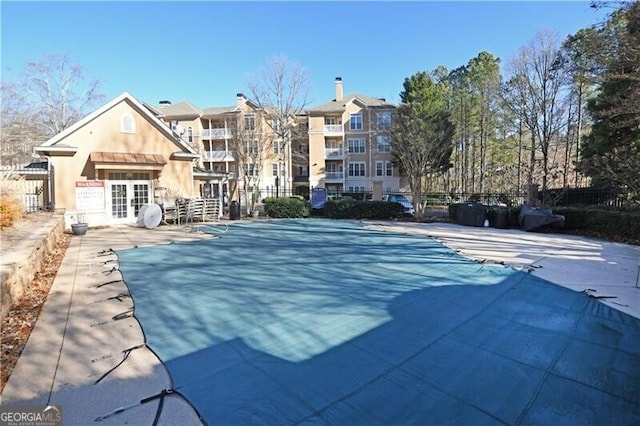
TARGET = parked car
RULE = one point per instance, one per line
(399, 198)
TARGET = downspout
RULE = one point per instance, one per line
(50, 185)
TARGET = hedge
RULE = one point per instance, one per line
(353, 209)
(618, 223)
(286, 207)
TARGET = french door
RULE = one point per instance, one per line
(125, 200)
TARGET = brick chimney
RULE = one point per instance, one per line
(339, 93)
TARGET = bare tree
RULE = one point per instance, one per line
(252, 146)
(20, 132)
(60, 91)
(535, 92)
(46, 98)
(281, 90)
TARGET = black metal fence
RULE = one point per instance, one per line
(555, 197)
(586, 197)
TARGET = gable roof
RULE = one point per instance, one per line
(135, 104)
(213, 111)
(187, 111)
(365, 100)
(184, 110)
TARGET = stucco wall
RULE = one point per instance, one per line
(103, 133)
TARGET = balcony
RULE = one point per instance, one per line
(333, 153)
(216, 134)
(331, 176)
(333, 129)
(218, 156)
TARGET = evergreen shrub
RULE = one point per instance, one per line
(616, 223)
(286, 207)
(353, 209)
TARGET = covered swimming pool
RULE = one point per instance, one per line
(330, 322)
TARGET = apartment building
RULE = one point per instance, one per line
(349, 145)
(240, 143)
(127, 154)
(342, 145)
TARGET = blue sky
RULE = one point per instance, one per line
(203, 51)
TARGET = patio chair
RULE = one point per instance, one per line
(195, 210)
(211, 210)
(170, 210)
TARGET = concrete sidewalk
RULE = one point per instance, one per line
(76, 339)
(79, 336)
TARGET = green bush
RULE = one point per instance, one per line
(616, 223)
(353, 209)
(338, 209)
(284, 207)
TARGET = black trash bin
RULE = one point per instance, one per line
(234, 210)
(502, 218)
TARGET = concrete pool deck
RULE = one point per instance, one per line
(76, 339)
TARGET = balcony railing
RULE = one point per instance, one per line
(334, 175)
(218, 156)
(333, 153)
(333, 129)
(216, 134)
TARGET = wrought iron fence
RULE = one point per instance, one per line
(556, 197)
(587, 197)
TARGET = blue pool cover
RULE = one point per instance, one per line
(328, 322)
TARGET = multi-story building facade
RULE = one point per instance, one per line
(241, 143)
(342, 145)
(349, 145)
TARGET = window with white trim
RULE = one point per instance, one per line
(128, 176)
(355, 121)
(127, 123)
(251, 169)
(356, 189)
(275, 125)
(379, 168)
(333, 168)
(190, 134)
(389, 168)
(356, 146)
(249, 121)
(384, 144)
(274, 169)
(251, 147)
(384, 120)
(357, 169)
(278, 147)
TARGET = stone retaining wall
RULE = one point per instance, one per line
(23, 253)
